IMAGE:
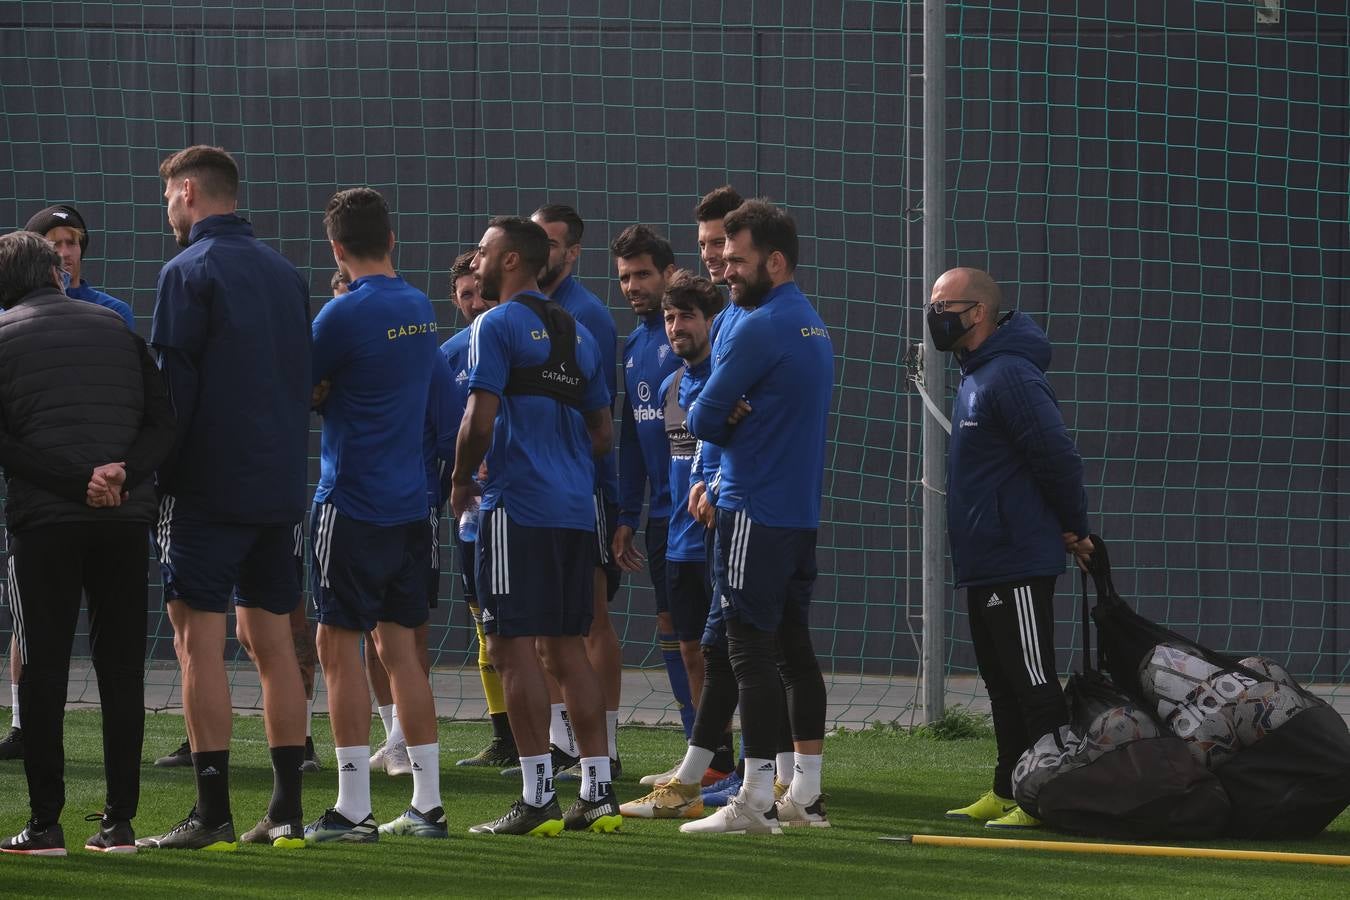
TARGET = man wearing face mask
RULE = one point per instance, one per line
(1015, 505)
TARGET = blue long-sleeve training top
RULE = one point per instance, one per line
(708, 455)
(644, 450)
(685, 539)
(587, 309)
(779, 358)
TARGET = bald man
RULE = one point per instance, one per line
(1015, 505)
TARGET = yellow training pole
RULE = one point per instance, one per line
(946, 840)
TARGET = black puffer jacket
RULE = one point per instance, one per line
(77, 390)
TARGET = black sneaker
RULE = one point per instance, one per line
(334, 826)
(601, 816)
(522, 818)
(311, 763)
(114, 835)
(498, 754)
(12, 746)
(180, 757)
(193, 834)
(615, 769)
(288, 835)
(563, 761)
(34, 841)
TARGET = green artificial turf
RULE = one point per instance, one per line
(879, 782)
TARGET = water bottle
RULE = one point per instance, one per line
(468, 521)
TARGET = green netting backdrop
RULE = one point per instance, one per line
(1166, 195)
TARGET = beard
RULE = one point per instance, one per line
(749, 293)
(490, 286)
(549, 277)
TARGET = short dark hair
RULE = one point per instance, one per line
(463, 265)
(358, 220)
(337, 279)
(717, 203)
(688, 292)
(527, 238)
(561, 212)
(635, 240)
(26, 263)
(770, 228)
(212, 168)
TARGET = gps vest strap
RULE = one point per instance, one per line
(559, 377)
(681, 441)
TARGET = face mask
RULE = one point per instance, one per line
(946, 328)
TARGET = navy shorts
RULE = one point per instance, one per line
(658, 531)
(362, 574)
(534, 581)
(606, 523)
(690, 594)
(762, 570)
(468, 561)
(434, 575)
(715, 628)
(208, 565)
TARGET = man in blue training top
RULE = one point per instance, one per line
(500, 753)
(1015, 504)
(376, 346)
(780, 362)
(564, 229)
(644, 261)
(539, 401)
(231, 326)
(64, 227)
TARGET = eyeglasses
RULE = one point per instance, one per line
(938, 307)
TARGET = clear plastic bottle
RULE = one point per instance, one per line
(468, 521)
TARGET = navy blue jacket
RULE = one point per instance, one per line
(1014, 476)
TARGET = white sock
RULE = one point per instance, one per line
(758, 785)
(14, 706)
(806, 784)
(309, 718)
(387, 717)
(536, 773)
(694, 764)
(560, 730)
(396, 738)
(353, 800)
(783, 763)
(595, 777)
(612, 732)
(426, 766)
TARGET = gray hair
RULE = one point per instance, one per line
(26, 263)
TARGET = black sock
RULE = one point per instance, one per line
(501, 728)
(286, 762)
(724, 758)
(212, 770)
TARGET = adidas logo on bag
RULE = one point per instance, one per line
(993, 601)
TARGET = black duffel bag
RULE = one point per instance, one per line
(1114, 771)
(1281, 753)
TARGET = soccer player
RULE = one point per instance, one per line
(565, 229)
(65, 228)
(689, 306)
(78, 451)
(231, 327)
(501, 750)
(445, 408)
(538, 399)
(376, 348)
(644, 261)
(1012, 448)
(779, 363)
